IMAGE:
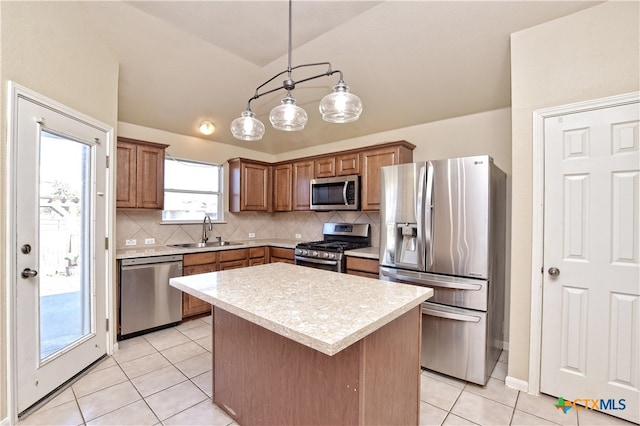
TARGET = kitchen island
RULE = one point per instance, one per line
(297, 345)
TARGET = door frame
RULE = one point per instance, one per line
(14, 92)
(537, 237)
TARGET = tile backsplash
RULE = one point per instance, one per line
(139, 225)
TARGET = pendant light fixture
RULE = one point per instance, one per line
(339, 106)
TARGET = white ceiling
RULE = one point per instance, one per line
(411, 62)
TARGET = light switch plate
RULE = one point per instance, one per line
(252, 234)
(298, 236)
(149, 240)
(130, 242)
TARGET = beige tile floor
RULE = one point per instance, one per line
(165, 378)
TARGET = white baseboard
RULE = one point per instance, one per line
(518, 384)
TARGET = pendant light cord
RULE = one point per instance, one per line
(290, 32)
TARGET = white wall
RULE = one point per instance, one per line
(483, 133)
(588, 55)
(46, 47)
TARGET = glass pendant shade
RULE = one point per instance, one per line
(288, 116)
(247, 127)
(340, 106)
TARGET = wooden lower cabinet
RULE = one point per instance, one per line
(261, 377)
(278, 254)
(258, 256)
(232, 259)
(363, 267)
(233, 264)
(222, 260)
(197, 263)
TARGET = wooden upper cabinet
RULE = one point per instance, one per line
(249, 185)
(348, 164)
(140, 174)
(371, 161)
(302, 175)
(282, 184)
(260, 186)
(325, 167)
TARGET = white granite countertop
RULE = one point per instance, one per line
(148, 251)
(160, 250)
(366, 252)
(323, 310)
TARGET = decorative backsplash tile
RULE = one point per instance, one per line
(143, 224)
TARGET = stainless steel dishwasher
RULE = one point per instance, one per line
(146, 300)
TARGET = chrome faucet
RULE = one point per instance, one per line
(205, 236)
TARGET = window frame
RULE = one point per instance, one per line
(220, 193)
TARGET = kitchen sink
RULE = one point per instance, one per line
(208, 244)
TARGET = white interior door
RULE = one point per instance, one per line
(60, 219)
(591, 285)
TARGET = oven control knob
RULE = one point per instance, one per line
(303, 252)
(332, 255)
(325, 254)
(314, 253)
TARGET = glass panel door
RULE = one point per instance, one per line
(60, 210)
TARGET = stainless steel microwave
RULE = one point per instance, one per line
(335, 193)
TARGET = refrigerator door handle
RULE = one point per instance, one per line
(449, 315)
(420, 212)
(431, 282)
(428, 207)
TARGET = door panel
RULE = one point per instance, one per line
(591, 300)
(60, 213)
(460, 225)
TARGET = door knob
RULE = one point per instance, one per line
(28, 273)
(554, 272)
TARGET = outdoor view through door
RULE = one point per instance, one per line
(65, 212)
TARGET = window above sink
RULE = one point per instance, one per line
(192, 189)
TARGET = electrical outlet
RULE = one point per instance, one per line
(130, 242)
(252, 234)
(298, 236)
(149, 240)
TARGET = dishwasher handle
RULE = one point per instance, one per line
(150, 260)
(148, 265)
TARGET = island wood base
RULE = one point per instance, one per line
(260, 377)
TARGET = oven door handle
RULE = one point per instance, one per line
(449, 315)
(318, 261)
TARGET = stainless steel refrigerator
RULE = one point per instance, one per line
(443, 226)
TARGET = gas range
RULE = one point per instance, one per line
(328, 254)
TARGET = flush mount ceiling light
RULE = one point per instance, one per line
(339, 106)
(207, 128)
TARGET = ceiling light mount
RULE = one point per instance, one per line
(207, 127)
(339, 106)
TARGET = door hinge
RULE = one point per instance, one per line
(106, 243)
(107, 159)
(107, 321)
